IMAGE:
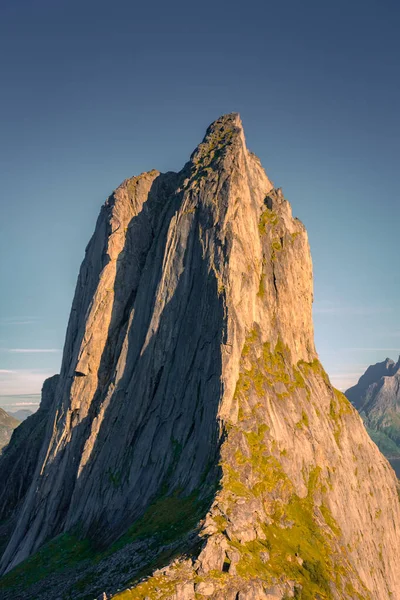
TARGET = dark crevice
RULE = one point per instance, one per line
(275, 282)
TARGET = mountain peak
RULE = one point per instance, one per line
(192, 420)
(226, 122)
(225, 132)
(372, 376)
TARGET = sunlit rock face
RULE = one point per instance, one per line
(191, 400)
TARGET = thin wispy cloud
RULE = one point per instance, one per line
(343, 381)
(343, 384)
(23, 382)
(19, 404)
(359, 349)
(337, 309)
(18, 321)
(345, 375)
(34, 350)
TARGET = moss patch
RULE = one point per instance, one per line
(301, 534)
(167, 519)
(268, 219)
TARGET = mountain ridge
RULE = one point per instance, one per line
(377, 398)
(20, 414)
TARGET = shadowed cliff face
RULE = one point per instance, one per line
(20, 457)
(189, 370)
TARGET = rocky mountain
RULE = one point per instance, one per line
(7, 425)
(192, 445)
(377, 398)
(21, 414)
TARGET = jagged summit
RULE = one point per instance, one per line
(358, 393)
(225, 131)
(192, 426)
(377, 397)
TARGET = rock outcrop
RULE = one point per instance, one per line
(377, 398)
(7, 425)
(192, 428)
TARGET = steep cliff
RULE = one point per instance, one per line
(193, 428)
(377, 398)
(19, 460)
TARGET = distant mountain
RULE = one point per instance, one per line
(377, 398)
(21, 414)
(7, 425)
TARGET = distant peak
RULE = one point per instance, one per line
(372, 375)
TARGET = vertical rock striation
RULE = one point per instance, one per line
(189, 368)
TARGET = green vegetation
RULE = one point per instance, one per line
(268, 367)
(232, 482)
(329, 520)
(149, 589)
(301, 538)
(385, 444)
(268, 218)
(294, 235)
(301, 535)
(314, 367)
(304, 422)
(300, 551)
(297, 545)
(386, 437)
(62, 554)
(168, 519)
(261, 288)
(266, 469)
(211, 149)
(276, 246)
(339, 407)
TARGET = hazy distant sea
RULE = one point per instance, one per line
(16, 402)
(396, 466)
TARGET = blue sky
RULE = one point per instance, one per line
(94, 92)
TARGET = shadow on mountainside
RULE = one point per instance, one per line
(153, 469)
